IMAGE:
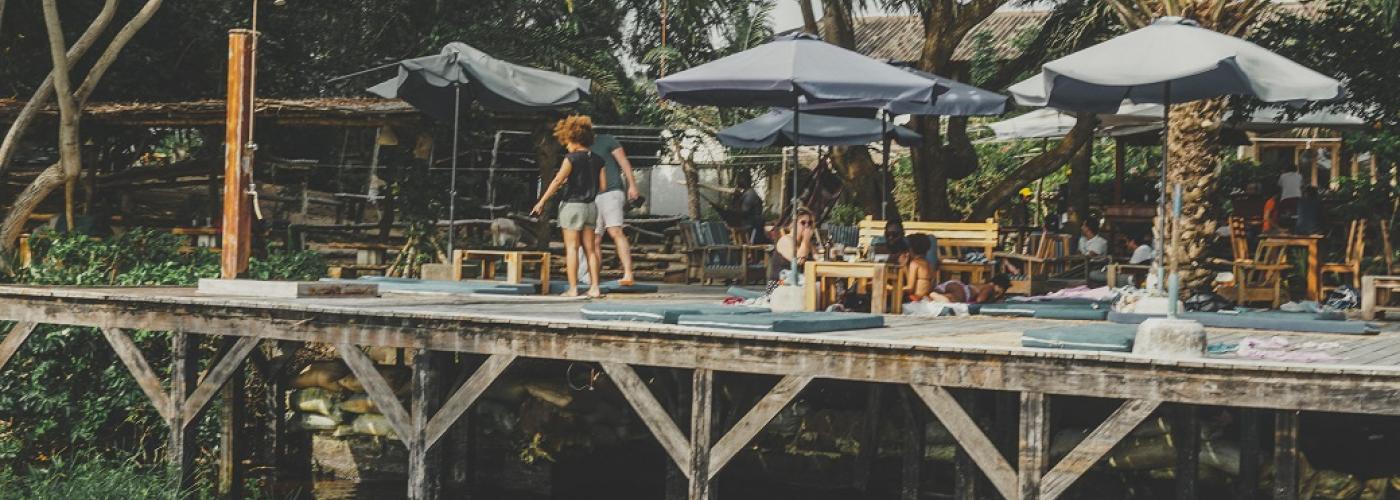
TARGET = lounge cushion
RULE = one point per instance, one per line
(790, 322)
(441, 286)
(1044, 310)
(1262, 320)
(659, 313)
(1106, 337)
(743, 293)
(612, 286)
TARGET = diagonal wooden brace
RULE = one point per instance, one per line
(1094, 446)
(465, 395)
(378, 389)
(970, 437)
(217, 377)
(755, 420)
(136, 364)
(14, 339)
(653, 415)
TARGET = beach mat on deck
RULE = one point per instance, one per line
(1106, 337)
(743, 293)
(660, 313)
(790, 322)
(1091, 311)
(611, 286)
(1262, 320)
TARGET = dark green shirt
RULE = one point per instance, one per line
(604, 145)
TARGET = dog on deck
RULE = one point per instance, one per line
(504, 233)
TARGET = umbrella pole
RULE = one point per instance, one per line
(885, 166)
(1158, 250)
(796, 197)
(452, 185)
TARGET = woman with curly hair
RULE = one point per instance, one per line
(579, 179)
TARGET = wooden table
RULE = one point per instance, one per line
(1309, 242)
(515, 264)
(885, 282)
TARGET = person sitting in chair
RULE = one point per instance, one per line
(918, 277)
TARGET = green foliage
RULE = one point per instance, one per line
(137, 257)
(1355, 42)
(845, 214)
(86, 476)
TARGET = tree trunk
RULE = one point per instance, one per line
(1035, 168)
(692, 187)
(45, 91)
(1079, 169)
(29, 199)
(68, 152)
(930, 179)
(809, 18)
(862, 176)
(1194, 149)
(838, 24)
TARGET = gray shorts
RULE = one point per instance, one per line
(612, 208)
(575, 216)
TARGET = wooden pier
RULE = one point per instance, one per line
(930, 356)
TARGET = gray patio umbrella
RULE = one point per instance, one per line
(436, 85)
(799, 67)
(1172, 61)
(775, 128)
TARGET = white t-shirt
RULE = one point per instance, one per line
(1290, 185)
(1096, 245)
(1142, 253)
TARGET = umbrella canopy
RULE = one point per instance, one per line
(1139, 118)
(962, 99)
(428, 83)
(775, 128)
(775, 74)
(1171, 55)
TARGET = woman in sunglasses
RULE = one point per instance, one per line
(792, 247)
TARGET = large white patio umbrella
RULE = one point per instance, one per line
(1172, 61)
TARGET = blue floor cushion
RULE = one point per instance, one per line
(790, 322)
(611, 286)
(660, 313)
(1105, 337)
(1278, 321)
(1044, 310)
(443, 286)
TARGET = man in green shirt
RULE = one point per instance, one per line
(612, 202)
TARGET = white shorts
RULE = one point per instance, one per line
(612, 207)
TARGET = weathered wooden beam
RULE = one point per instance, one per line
(1247, 483)
(378, 389)
(1094, 446)
(217, 377)
(1035, 444)
(966, 474)
(911, 450)
(423, 465)
(1366, 392)
(15, 338)
(869, 439)
(752, 422)
(146, 378)
(702, 396)
(653, 415)
(466, 395)
(1285, 455)
(1186, 437)
(970, 437)
(232, 418)
(181, 447)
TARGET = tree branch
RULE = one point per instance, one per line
(114, 49)
(68, 154)
(1035, 168)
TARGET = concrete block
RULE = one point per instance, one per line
(787, 299)
(1170, 338)
(436, 271)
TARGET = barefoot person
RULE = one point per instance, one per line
(957, 291)
(612, 201)
(579, 179)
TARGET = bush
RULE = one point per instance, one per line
(86, 476)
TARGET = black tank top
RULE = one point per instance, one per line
(582, 184)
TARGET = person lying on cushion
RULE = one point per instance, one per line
(957, 291)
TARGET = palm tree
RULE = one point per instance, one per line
(1194, 127)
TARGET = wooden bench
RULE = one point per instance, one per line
(1375, 295)
(953, 240)
(366, 254)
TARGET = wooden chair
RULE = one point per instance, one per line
(1051, 259)
(1239, 238)
(953, 239)
(711, 254)
(1351, 260)
(1260, 279)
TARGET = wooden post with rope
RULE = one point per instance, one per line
(238, 160)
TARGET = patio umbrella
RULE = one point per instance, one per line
(1047, 123)
(435, 85)
(790, 68)
(775, 128)
(1171, 61)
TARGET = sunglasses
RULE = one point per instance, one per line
(804, 223)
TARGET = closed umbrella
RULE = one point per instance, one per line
(1171, 61)
(435, 85)
(799, 67)
(775, 128)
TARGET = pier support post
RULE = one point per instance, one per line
(702, 397)
(869, 439)
(1035, 443)
(911, 450)
(965, 475)
(1247, 484)
(181, 446)
(1285, 455)
(1186, 432)
(231, 422)
(423, 463)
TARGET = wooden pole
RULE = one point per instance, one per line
(423, 463)
(1035, 443)
(231, 421)
(1285, 455)
(238, 159)
(1248, 481)
(701, 418)
(182, 449)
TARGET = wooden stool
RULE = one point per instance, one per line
(1375, 295)
(515, 264)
